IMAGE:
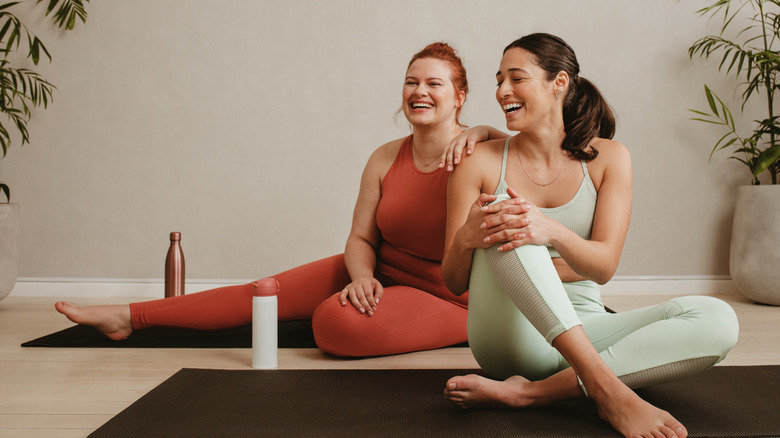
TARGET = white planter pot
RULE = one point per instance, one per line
(9, 247)
(754, 262)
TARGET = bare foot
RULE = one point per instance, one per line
(112, 321)
(634, 417)
(473, 391)
(619, 406)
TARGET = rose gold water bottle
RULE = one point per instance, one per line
(174, 268)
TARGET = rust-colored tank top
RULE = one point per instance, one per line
(411, 216)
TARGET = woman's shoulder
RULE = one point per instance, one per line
(613, 157)
(612, 148)
(388, 150)
(483, 167)
(484, 152)
(610, 152)
(382, 158)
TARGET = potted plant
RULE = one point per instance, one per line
(20, 89)
(752, 55)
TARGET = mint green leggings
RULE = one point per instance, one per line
(518, 305)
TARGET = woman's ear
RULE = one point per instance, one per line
(561, 81)
(461, 98)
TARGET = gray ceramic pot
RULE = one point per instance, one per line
(9, 247)
(754, 262)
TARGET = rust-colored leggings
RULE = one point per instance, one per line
(407, 319)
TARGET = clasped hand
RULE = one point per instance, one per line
(514, 221)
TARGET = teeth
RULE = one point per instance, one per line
(421, 105)
(512, 107)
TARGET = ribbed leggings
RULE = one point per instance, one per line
(518, 305)
(407, 319)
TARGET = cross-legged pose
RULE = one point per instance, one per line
(551, 215)
(385, 294)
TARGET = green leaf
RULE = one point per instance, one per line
(729, 143)
(701, 113)
(8, 5)
(13, 37)
(710, 100)
(52, 4)
(5, 29)
(742, 57)
(35, 54)
(40, 44)
(707, 121)
(5, 138)
(766, 159)
(6, 190)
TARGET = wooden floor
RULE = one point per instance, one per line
(67, 392)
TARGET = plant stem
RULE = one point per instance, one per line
(767, 72)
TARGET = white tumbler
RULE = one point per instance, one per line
(264, 324)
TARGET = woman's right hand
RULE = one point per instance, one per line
(364, 293)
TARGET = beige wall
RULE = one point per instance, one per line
(245, 125)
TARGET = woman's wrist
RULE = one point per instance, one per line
(460, 244)
(559, 235)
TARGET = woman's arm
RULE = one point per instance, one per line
(360, 253)
(464, 218)
(597, 259)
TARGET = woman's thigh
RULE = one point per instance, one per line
(406, 319)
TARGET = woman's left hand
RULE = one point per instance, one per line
(517, 222)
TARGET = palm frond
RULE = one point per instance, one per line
(65, 12)
(751, 55)
(21, 88)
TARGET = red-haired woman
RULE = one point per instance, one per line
(385, 294)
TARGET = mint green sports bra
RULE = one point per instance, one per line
(576, 215)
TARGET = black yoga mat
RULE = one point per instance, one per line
(722, 402)
(292, 334)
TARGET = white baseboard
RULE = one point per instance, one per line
(153, 288)
(107, 287)
(669, 285)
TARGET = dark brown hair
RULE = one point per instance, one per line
(586, 113)
(445, 52)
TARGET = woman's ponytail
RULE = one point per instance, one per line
(586, 115)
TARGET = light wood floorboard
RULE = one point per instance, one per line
(70, 392)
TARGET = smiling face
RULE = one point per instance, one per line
(525, 93)
(429, 97)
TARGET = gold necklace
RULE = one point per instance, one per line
(425, 164)
(566, 161)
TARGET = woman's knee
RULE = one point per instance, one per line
(337, 329)
(718, 325)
